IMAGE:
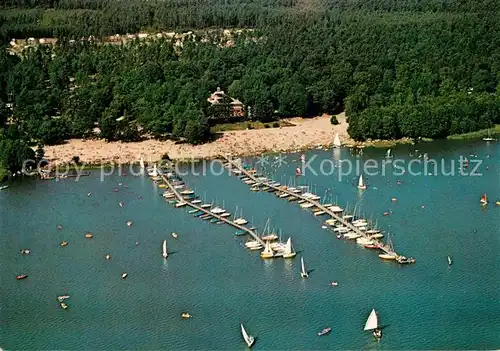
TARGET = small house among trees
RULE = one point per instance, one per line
(224, 107)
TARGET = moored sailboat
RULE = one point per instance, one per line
(249, 339)
(336, 141)
(268, 252)
(289, 251)
(372, 324)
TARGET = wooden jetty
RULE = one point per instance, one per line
(207, 211)
(383, 247)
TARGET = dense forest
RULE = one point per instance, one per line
(415, 68)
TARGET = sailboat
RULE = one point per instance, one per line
(336, 141)
(489, 138)
(372, 324)
(165, 252)
(142, 165)
(303, 272)
(389, 253)
(249, 339)
(361, 183)
(289, 251)
(484, 200)
(268, 252)
(450, 262)
(388, 154)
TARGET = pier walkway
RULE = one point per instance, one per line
(207, 211)
(385, 248)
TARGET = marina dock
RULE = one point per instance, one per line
(179, 197)
(386, 249)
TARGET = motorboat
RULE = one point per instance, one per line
(334, 283)
(180, 204)
(364, 241)
(3, 187)
(61, 298)
(324, 331)
(124, 275)
(63, 306)
(404, 260)
(352, 235)
(25, 251)
(108, 256)
(174, 235)
(64, 243)
(21, 276)
(388, 256)
(89, 235)
(186, 315)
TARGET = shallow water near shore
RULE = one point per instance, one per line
(209, 273)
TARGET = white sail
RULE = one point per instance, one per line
(303, 266)
(336, 140)
(288, 248)
(388, 153)
(361, 183)
(155, 171)
(142, 164)
(165, 253)
(248, 338)
(372, 321)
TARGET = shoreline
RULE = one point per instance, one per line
(305, 134)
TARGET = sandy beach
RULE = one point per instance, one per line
(306, 133)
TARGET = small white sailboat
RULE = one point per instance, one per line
(289, 251)
(336, 141)
(153, 172)
(165, 252)
(141, 162)
(388, 154)
(450, 262)
(303, 272)
(361, 183)
(372, 324)
(268, 252)
(249, 339)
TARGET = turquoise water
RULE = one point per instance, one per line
(210, 274)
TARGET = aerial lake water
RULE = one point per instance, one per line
(210, 274)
